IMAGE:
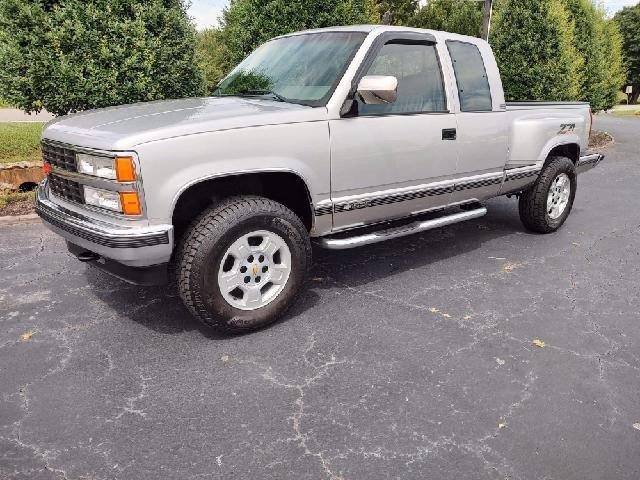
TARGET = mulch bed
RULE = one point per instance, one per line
(599, 140)
(22, 207)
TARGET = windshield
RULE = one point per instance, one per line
(299, 69)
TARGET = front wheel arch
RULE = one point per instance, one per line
(285, 187)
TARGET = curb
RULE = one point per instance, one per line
(19, 219)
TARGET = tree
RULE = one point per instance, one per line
(402, 11)
(212, 56)
(628, 20)
(456, 16)
(597, 42)
(533, 42)
(248, 23)
(72, 55)
(615, 73)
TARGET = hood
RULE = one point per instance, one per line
(124, 127)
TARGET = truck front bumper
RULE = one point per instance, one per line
(116, 248)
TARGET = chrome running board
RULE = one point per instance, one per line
(344, 243)
(588, 162)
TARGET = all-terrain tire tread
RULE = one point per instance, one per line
(213, 222)
(532, 205)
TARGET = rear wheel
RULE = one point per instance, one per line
(546, 205)
(242, 262)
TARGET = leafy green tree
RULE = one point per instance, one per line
(72, 55)
(212, 56)
(615, 72)
(249, 23)
(628, 20)
(456, 16)
(597, 42)
(402, 11)
(533, 41)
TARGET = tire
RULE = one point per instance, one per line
(229, 232)
(532, 206)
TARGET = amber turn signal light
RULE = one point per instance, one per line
(125, 170)
(130, 203)
(46, 168)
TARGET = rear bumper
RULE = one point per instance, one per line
(588, 162)
(134, 246)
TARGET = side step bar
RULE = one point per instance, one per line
(588, 162)
(397, 232)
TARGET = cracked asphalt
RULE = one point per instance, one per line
(411, 359)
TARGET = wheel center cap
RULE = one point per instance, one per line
(254, 269)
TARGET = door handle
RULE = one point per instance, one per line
(449, 134)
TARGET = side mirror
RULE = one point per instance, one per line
(378, 89)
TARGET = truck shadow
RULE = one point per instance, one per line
(360, 266)
(160, 308)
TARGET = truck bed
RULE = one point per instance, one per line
(531, 105)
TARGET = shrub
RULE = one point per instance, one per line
(598, 44)
(615, 71)
(72, 55)
(628, 20)
(533, 42)
(249, 23)
(213, 57)
(402, 11)
(456, 16)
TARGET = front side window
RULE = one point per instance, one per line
(420, 86)
(300, 69)
(471, 76)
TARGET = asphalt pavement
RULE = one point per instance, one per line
(412, 359)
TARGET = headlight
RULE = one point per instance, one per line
(102, 198)
(97, 166)
(119, 168)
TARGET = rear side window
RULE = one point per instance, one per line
(471, 76)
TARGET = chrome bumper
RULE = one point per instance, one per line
(130, 245)
(588, 162)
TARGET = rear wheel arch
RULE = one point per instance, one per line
(568, 150)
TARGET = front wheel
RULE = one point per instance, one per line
(546, 205)
(242, 262)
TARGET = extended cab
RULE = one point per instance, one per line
(346, 136)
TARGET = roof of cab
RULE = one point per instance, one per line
(386, 28)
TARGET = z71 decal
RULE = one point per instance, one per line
(566, 128)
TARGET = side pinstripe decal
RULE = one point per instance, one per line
(324, 210)
(479, 183)
(390, 199)
(518, 175)
(469, 184)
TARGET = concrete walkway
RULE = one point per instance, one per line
(15, 115)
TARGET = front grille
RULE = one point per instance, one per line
(59, 157)
(67, 189)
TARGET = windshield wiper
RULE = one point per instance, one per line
(271, 93)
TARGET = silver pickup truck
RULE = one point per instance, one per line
(344, 136)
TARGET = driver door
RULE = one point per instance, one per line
(395, 159)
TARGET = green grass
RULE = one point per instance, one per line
(20, 142)
(4, 104)
(13, 197)
(626, 111)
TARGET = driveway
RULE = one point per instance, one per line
(411, 359)
(15, 115)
